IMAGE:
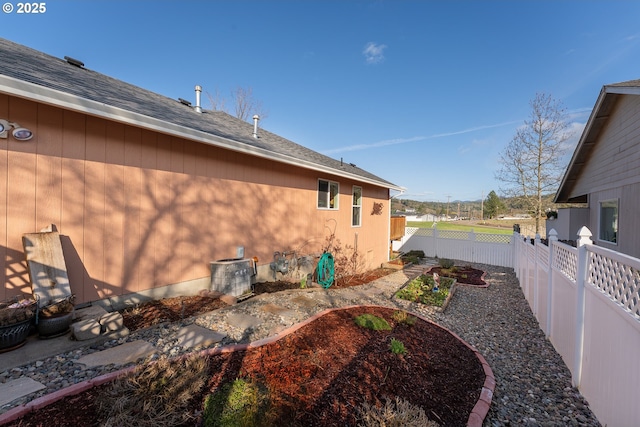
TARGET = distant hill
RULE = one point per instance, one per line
(464, 208)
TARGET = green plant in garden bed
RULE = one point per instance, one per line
(420, 290)
(404, 318)
(397, 346)
(372, 322)
(240, 403)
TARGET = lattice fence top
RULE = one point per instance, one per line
(543, 256)
(493, 238)
(409, 231)
(424, 232)
(565, 259)
(617, 280)
(453, 234)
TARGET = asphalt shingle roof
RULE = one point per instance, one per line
(29, 65)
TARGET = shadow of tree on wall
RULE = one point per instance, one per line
(16, 275)
(164, 227)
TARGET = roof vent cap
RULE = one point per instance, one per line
(184, 102)
(73, 61)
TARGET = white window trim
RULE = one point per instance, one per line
(329, 182)
(353, 190)
(600, 203)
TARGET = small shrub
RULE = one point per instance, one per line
(397, 347)
(241, 403)
(394, 413)
(446, 263)
(404, 318)
(415, 253)
(372, 322)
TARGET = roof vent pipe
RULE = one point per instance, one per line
(255, 125)
(198, 108)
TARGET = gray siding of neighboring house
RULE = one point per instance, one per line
(615, 160)
(628, 197)
(612, 172)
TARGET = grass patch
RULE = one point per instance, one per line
(420, 290)
(458, 226)
(241, 403)
(370, 321)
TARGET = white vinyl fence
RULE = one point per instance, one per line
(493, 249)
(586, 299)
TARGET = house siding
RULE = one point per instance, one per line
(628, 238)
(615, 160)
(139, 210)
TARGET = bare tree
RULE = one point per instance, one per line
(531, 164)
(217, 101)
(243, 101)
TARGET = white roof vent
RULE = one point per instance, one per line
(198, 108)
(255, 125)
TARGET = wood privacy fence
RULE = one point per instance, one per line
(586, 300)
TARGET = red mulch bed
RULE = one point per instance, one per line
(465, 275)
(326, 369)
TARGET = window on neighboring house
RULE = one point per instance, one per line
(356, 207)
(328, 194)
(609, 221)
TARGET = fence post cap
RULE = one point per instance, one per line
(553, 234)
(584, 235)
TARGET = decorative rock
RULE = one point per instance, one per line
(92, 312)
(85, 329)
(112, 321)
(210, 294)
(229, 299)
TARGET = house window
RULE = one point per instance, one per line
(328, 194)
(609, 221)
(356, 207)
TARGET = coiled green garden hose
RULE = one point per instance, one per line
(326, 270)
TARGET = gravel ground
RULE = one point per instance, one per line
(533, 385)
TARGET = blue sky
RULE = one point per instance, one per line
(425, 94)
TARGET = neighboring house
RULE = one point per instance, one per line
(420, 218)
(604, 172)
(146, 191)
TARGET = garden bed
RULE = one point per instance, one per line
(421, 290)
(321, 374)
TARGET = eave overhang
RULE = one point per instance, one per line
(49, 96)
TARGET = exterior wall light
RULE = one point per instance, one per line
(19, 133)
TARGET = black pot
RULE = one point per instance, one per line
(55, 325)
(13, 336)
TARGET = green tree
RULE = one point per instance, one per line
(493, 205)
(531, 164)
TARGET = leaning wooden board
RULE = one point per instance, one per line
(47, 269)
